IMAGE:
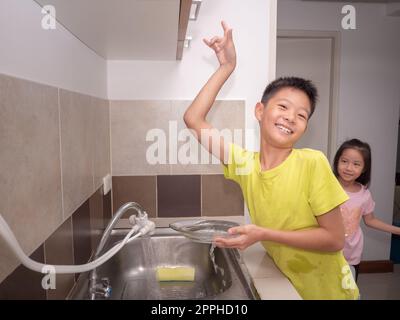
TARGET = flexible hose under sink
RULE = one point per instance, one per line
(12, 242)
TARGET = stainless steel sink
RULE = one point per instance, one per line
(132, 271)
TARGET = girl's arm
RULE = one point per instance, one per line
(375, 223)
(329, 236)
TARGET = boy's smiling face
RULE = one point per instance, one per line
(284, 119)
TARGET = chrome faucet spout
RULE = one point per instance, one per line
(93, 285)
(121, 211)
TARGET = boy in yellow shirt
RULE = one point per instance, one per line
(292, 195)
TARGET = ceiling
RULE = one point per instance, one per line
(122, 29)
(392, 6)
(133, 29)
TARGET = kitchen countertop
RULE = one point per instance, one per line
(269, 281)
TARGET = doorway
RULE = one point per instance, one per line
(314, 55)
(395, 245)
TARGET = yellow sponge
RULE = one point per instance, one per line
(175, 273)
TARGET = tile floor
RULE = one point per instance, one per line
(380, 286)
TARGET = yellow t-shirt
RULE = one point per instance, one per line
(290, 197)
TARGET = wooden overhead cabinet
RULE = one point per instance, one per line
(184, 15)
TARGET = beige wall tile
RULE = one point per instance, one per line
(30, 175)
(101, 140)
(130, 122)
(220, 197)
(225, 114)
(59, 250)
(77, 136)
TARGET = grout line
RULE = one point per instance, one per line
(70, 290)
(45, 262)
(60, 141)
(72, 244)
(201, 195)
(73, 258)
(92, 130)
(110, 148)
(72, 233)
(73, 247)
(156, 196)
(111, 201)
(109, 134)
(44, 252)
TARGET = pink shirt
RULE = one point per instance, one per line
(359, 204)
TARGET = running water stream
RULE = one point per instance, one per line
(216, 267)
(150, 261)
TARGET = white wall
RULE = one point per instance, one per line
(398, 151)
(369, 92)
(53, 57)
(254, 36)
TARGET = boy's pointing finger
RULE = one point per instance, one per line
(227, 30)
(224, 26)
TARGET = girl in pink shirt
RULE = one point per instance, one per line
(352, 167)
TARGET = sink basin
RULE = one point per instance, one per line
(132, 271)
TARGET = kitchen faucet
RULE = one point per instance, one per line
(103, 288)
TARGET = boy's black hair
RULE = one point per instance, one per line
(365, 151)
(292, 82)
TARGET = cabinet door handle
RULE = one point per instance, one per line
(196, 3)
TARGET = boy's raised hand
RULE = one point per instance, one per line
(224, 47)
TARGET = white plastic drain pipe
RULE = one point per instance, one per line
(12, 242)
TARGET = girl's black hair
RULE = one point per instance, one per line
(365, 151)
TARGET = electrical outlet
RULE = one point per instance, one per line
(107, 183)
